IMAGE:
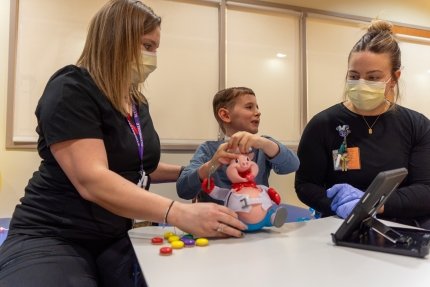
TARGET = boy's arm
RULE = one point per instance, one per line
(283, 159)
(216, 159)
(270, 148)
(286, 161)
(206, 158)
(188, 184)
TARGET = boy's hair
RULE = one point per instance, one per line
(227, 99)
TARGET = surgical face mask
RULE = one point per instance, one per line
(365, 95)
(148, 63)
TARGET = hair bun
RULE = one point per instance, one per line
(378, 26)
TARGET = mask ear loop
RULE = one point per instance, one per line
(389, 88)
(389, 79)
(391, 84)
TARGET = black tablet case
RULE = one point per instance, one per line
(361, 229)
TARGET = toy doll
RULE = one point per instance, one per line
(257, 206)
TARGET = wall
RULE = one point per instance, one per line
(414, 12)
(16, 167)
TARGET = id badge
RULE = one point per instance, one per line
(352, 158)
(143, 180)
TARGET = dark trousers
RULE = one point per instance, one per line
(47, 261)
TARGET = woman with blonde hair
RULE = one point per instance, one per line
(344, 147)
(99, 152)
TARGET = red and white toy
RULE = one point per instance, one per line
(256, 205)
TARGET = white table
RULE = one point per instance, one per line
(298, 254)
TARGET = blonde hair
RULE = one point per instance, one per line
(113, 43)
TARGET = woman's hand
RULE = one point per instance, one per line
(344, 198)
(205, 220)
(343, 193)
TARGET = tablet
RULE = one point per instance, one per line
(361, 229)
(375, 196)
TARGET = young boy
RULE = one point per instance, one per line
(237, 113)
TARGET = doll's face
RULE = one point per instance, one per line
(242, 163)
(241, 168)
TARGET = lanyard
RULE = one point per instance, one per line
(137, 132)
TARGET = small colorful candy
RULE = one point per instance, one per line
(168, 234)
(173, 238)
(157, 240)
(188, 236)
(189, 242)
(202, 242)
(166, 251)
(177, 244)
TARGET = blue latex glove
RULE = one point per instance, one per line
(345, 209)
(343, 193)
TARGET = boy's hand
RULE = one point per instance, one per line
(221, 156)
(245, 141)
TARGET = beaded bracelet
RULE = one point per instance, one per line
(167, 212)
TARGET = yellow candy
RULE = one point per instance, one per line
(202, 242)
(177, 244)
(168, 234)
(173, 238)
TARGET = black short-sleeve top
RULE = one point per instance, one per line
(73, 107)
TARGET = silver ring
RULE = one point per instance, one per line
(220, 228)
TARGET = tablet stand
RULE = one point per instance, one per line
(387, 232)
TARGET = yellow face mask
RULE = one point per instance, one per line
(148, 63)
(365, 95)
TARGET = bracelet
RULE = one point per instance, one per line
(167, 212)
(212, 168)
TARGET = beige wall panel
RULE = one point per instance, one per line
(15, 166)
(254, 38)
(47, 40)
(411, 12)
(329, 43)
(180, 91)
(415, 78)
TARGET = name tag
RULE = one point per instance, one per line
(350, 159)
(143, 181)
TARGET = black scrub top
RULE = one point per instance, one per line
(72, 107)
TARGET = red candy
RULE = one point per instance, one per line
(157, 240)
(165, 251)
